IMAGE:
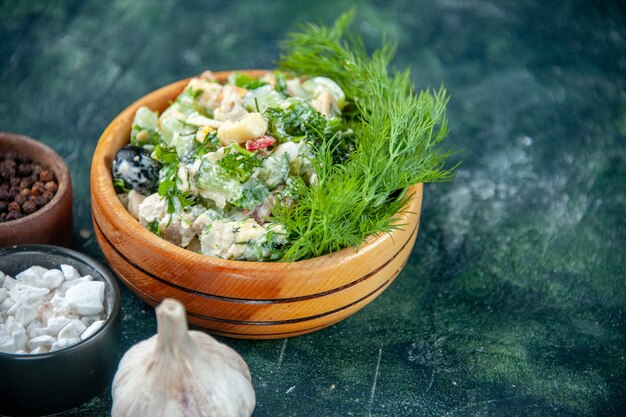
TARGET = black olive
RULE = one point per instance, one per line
(138, 171)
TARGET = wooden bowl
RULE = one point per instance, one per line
(260, 300)
(51, 224)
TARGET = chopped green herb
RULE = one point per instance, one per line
(176, 199)
(120, 185)
(166, 155)
(281, 82)
(210, 144)
(239, 162)
(154, 227)
(299, 121)
(245, 81)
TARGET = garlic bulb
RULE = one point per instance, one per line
(179, 372)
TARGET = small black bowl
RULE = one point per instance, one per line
(50, 383)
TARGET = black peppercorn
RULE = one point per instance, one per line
(25, 186)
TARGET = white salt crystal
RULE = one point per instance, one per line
(16, 305)
(54, 325)
(89, 320)
(64, 343)
(72, 330)
(12, 325)
(6, 305)
(9, 283)
(19, 338)
(34, 329)
(91, 330)
(6, 343)
(40, 349)
(61, 307)
(46, 310)
(31, 276)
(27, 293)
(43, 340)
(52, 278)
(87, 297)
(69, 284)
(25, 314)
(69, 272)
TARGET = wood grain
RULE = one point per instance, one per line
(237, 298)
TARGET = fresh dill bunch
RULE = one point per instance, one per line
(396, 138)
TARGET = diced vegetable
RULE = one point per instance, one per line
(144, 130)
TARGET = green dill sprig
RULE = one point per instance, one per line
(396, 138)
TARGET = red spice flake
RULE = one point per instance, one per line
(260, 143)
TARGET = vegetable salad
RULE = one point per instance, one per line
(206, 172)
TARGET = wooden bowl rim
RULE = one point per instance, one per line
(34, 150)
(101, 174)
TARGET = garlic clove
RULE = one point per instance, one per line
(179, 372)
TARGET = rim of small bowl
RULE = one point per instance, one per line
(101, 174)
(80, 257)
(63, 177)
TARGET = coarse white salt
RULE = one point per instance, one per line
(86, 298)
(44, 310)
(32, 275)
(70, 272)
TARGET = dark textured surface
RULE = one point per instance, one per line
(513, 302)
